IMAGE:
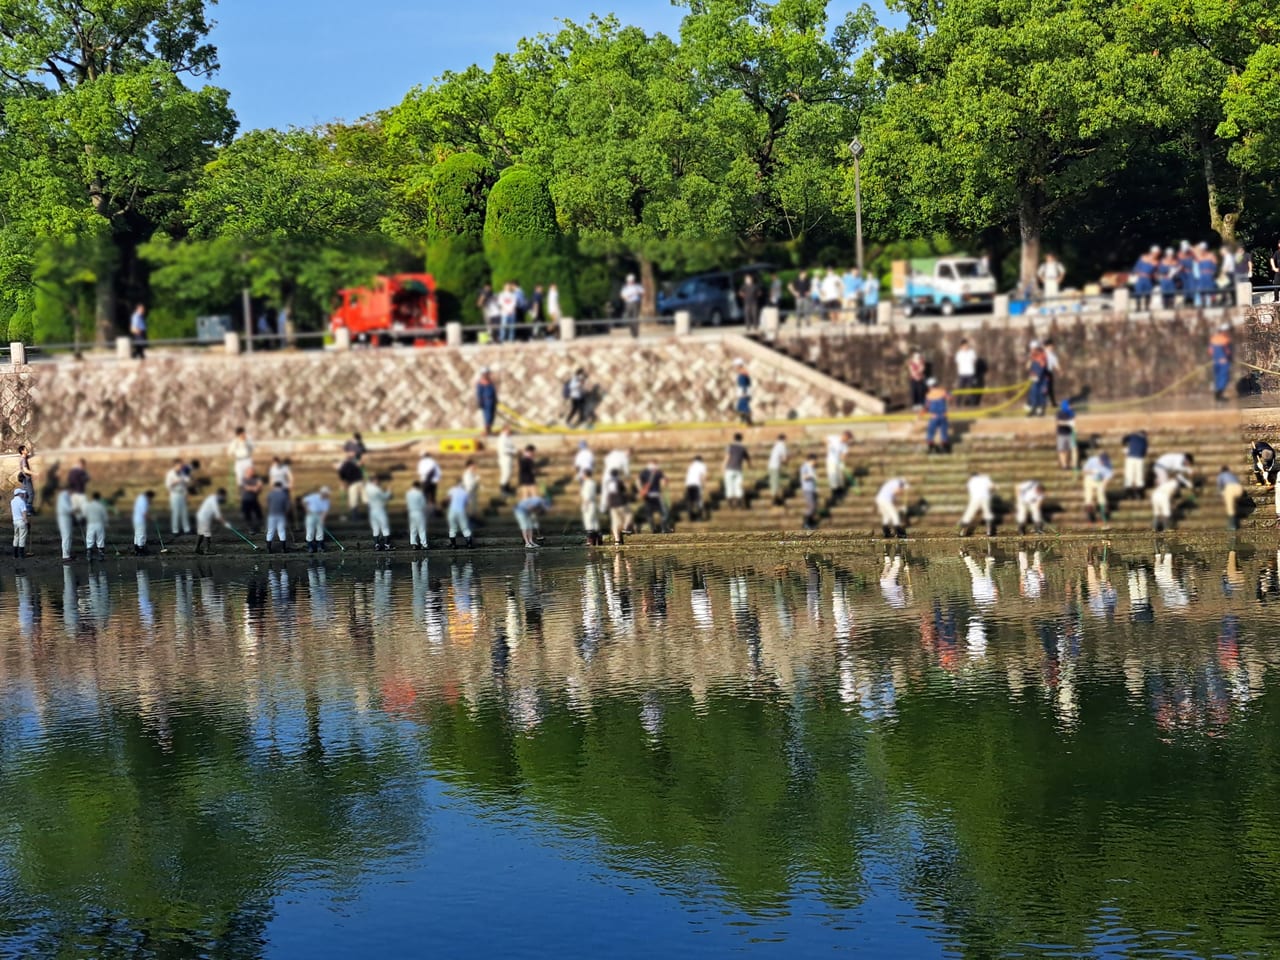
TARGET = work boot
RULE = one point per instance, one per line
(1090, 514)
(1039, 528)
(22, 553)
(1233, 523)
(453, 543)
(1157, 525)
(884, 529)
(902, 533)
(991, 528)
(1022, 529)
(965, 530)
(470, 544)
(15, 553)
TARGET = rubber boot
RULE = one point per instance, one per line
(902, 533)
(1157, 525)
(1039, 528)
(885, 530)
(1022, 529)
(22, 553)
(453, 543)
(991, 528)
(1090, 514)
(1233, 523)
(470, 545)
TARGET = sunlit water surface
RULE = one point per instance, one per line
(1021, 755)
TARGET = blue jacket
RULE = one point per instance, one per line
(487, 395)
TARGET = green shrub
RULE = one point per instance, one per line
(522, 240)
(456, 204)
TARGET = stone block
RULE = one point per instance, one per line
(452, 334)
(884, 313)
(568, 329)
(124, 348)
(684, 323)
(17, 353)
(770, 320)
(231, 343)
(1000, 307)
(342, 339)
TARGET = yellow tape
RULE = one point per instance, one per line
(1155, 396)
(1274, 373)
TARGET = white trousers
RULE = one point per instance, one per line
(66, 530)
(20, 530)
(379, 522)
(458, 523)
(890, 515)
(95, 536)
(977, 505)
(835, 473)
(139, 533)
(733, 484)
(1162, 499)
(315, 528)
(277, 528)
(179, 517)
(417, 528)
(1030, 511)
(1135, 473)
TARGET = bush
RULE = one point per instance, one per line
(522, 240)
(456, 204)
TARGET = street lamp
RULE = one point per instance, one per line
(857, 150)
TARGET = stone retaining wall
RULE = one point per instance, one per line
(188, 398)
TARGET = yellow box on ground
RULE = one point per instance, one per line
(459, 445)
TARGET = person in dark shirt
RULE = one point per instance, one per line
(1135, 464)
(355, 448)
(736, 458)
(352, 476)
(527, 473)
(250, 506)
(653, 484)
(487, 399)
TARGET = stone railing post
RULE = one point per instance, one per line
(452, 334)
(231, 343)
(884, 313)
(1244, 293)
(124, 348)
(684, 323)
(17, 353)
(1120, 301)
(568, 329)
(770, 321)
(341, 339)
(1000, 307)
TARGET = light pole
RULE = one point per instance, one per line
(857, 149)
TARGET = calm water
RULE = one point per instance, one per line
(1030, 756)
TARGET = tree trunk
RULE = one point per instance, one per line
(104, 307)
(1030, 224)
(648, 280)
(1222, 223)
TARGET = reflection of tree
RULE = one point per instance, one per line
(120, 845)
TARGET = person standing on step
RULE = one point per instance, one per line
(837, 450)
(527, 513)
(377, 497)
(429, 475)
(1232, 492)
(809, 490)
(355, 448)
(891, 519)
(250, 506)
(415, 502)
(471, 480)
(138, 333)
(507, 452)
(653, 486)
(65, 514)
(589, 498)
(21, 522)
(615, 500)
(278, 503)
(210, 512)
(95, 527)
(1038, 373)
(1135, 463)
(742, 381)
(1096, 472)
(575, 391)
(938, 434)
(1066, 436)
(177, 481)
(736, 459)
(917, 376)
(352, 476)
(1030, 506)
(777, 461)
(1052, 367)
(1175, 466)
(240, 450)
(980, 487)
(459, 524)
(1265, 463)
(27, 476)
(487, 399)
(966, 361)
(78, 484)
(583, 460)
(316, 511)
(695, 488)
(527, 472)
(1220, 354)
(141, 514)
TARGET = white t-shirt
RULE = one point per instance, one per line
(618, 460)
(891, 488)
(508, 302)
(313, 503)
(836, 447)
(832, 287)
(778, 455)
(428, 470)
(966, 362)
(1172, 462)
(458, 498)
(1029, 493)
(980, 487)
(632, 293)
(141, 507)
(210, 511)
(19, 507)
(696, 476)
(584, 460)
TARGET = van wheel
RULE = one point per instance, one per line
(908, 310)
(714, 318)
(948, 308)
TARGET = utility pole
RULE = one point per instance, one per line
(857, 149)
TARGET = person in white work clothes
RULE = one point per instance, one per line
(415, 502)
(141, 514)
(966, 373)
(583, 460)
(429, 474)
(507, 452)
(95, 528)
(240, 450)
(377, 497)
(178, 482)
(459, 525)
(1030, 506)
(65, 513)
(837, 450)
(887, 504)
(980, 488)
(316, 508)
(1051, 274)
(21, 513)
(695, 488)
(632, 297)
(589, 499)
(777, 462)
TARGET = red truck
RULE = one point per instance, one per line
(398, 308)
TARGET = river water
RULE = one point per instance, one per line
(928, 755)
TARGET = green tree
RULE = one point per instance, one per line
(457, 192)
(522, 241)
(100, 135)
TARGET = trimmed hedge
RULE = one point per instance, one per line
(456, 201)
(522, 240)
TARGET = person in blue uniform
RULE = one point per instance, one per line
(742, 380)
(938, 435)
(1220, 353)
(1144, 275)
(1168, 273)
(487, 399)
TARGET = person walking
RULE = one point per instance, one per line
(938, 432)
(377, 497)
(615, 500)
(1220, 354)
(459, 523)
(736, 458)
(65, 514)
(487, 399)
(891, 519)
(1135, 464)
(141, 514)
(695, 485)
(315, 507)
(653, 487)
(177, 481)
(1232, 492)
(240, 450)
(1030, 506)
(742, 381)
(777, 462)
(589, 499)
(507, 452)
(416, 503)
(809, 490)
(21, 514)
(95, 528)
(250, 506)
(138, 333)
(1096, 472)
(278, 503)
(980, 488)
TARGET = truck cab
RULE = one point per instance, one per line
(945, 285)
(398, 308)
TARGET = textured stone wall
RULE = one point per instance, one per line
(187, 398)
(1111, 359)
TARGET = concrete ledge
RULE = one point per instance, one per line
(863, 402)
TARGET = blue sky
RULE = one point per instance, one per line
(301, 62)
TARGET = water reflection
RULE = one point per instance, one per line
(1001, 750)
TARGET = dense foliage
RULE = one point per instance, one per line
(1089, 127)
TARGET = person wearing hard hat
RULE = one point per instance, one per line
(1220, 354)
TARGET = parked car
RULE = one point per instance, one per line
(712, 298)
